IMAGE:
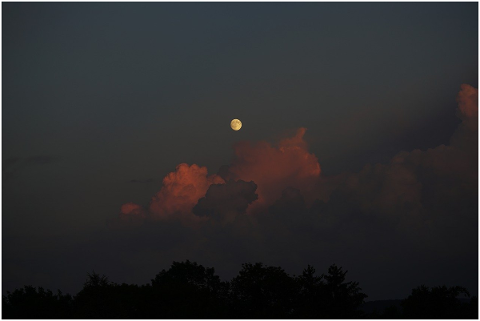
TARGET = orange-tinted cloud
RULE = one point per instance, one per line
(132, 209)
(132, 214)
(271, 168)
(404, 185)
(421, 205)
(274, 168)
(180, 192)
(465, 137)
(468, 101)
(413, 184)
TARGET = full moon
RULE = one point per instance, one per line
(236, 124)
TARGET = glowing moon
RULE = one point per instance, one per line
(236, 124)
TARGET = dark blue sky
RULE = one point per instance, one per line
(96, 95)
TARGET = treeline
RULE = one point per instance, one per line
(189, 290)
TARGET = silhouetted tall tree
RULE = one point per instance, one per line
(189, 290)
(342, 299)
(263, 292)
(310, 294)
(327, 296)
(94, 300)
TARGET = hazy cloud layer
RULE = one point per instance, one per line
(12, 166)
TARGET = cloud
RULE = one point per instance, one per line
(465, 137)
(467, 100)
(281, 189)
(223, 199)
(148, 180)
(42, 159)
(290, 203)
(9, 162)
(417, 212)
(14, 165)
(270, 169)
(274, 168)
(180, 191)
(423, 193)
(133, 213)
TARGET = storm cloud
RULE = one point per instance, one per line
(262, 205)
(286, 178)
(233, 197)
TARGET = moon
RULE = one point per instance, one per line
(236, 124)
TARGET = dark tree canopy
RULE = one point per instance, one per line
(35, 303)
(437, 302)
(189, 290)
(328, 296)
(263, 291)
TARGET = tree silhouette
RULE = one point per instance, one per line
(100, 299)
(29, 303)
(189, 290)
(94, 300)
(309, 299)
(342, 298)
(438, 302)
(334, 298)
(263, 292)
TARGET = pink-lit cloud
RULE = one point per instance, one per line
(263, 174)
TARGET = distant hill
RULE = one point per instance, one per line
(380, 306)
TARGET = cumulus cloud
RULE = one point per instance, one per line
(269, 169)
(223, 199)
(180, 191)
(465, 137)
(274, 168)
(291, 202)
(467, 101)
(416, 212)
(423, 193)
(284, 182)
(132, 213)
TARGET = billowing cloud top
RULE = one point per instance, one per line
(275, 168)
(265, 178)
(180, 191)
(270, 168)
(223, 199)
(272, 204)
(468, 101)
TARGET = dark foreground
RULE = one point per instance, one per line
(188, 290)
